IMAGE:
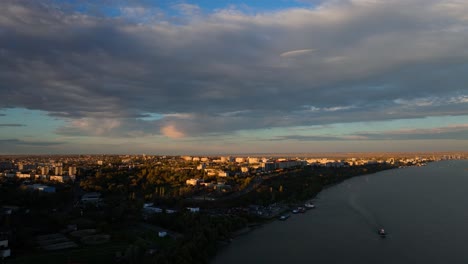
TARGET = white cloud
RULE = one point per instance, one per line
(295, 53)
(171, 131)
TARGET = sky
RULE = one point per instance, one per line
(226, 77)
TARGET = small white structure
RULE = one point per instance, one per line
(93, 197)
(5, 253)
(42, 188)
(162, 234)
(193, 209)
(149, 208)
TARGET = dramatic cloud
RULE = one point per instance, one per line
(103, 70)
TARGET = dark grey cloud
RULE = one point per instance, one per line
(454, 132)
(18, 146)
(18, 142)
(309, 138)
(224, 71)
(12, 125)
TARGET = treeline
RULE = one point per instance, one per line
(202, 234)
(300, 185)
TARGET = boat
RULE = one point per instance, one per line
(284, 217)
(309, 205)
(382, 232)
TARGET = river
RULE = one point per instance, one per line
(423, 209)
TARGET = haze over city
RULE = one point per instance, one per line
(209, 77)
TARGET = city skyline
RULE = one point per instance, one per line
(216, 77)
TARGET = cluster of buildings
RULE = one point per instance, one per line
(39, 171)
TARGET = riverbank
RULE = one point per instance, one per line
(322, 178)
(221, 222)
(344, 228)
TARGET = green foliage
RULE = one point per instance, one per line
(201, 235)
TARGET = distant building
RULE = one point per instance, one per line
(59, 170)
(223, 173)
(240, 160)
(193, 182)
(253, 160)
(44, 170)
(268, 166)
(187, 158)
(71, 170)
(59, 178)
(24, 175)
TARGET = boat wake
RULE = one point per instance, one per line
(366, 215)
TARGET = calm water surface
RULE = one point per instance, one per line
(423, 209)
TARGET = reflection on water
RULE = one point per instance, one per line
(424, 210)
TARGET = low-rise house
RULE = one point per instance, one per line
(193, 182)
(59, 178)
(223, 173)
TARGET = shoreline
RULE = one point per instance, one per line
(259, 224)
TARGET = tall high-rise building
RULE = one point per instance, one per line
(71, 170)
(58, 170)
(44, 170)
